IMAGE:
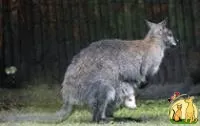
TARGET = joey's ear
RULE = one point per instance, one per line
(150, 24)
(164, 22)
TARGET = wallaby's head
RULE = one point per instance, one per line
(160, 31)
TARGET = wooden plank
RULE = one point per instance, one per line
(196, 21)
(127, 20)
(2, 74)
(38, 35)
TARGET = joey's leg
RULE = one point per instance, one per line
(99, 111)
(110, 110)
(105, 96)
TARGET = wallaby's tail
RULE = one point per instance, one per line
(57, 117)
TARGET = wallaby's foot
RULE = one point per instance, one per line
(105, 120)
(109, 115)
(101, 120)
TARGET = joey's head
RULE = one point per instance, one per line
(130, 102)
(128, 96)
(161, 32)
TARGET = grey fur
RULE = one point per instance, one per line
(116, 61)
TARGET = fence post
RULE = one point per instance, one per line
(1, 43)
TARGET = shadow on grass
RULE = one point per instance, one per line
(142, 119)
(128, 119)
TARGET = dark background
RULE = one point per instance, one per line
(40, 37)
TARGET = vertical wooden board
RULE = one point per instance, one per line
(105, 12)
(69, 32)
(97, 14)
(92, 21)
(133, 19)
(6, 35)
(110, 19)
(188, 23)
(26, 45)
(1, 45)
(62, 45)
(38, 32)
(136, 21)
(172, 25)
(56, 74)
(141, 18)
(119, 15)
(82, 31)
(38, 52)
(100, 18)
(172, 15)
(75, 24)
(51, 51)
(30, 22)
(37, 38)
(196, 16)
(45, 43)
(103, 8)
(83, 24)
(188, 32)
(88, 21)
(114, 18)
(127, 20)
(181, 35)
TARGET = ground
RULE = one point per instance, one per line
(44, 99)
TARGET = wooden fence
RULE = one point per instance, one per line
(40, 37)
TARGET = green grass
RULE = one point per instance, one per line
(32, 100)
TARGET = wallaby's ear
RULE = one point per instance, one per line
(164, 22)
(150, 24)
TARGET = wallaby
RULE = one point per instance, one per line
(100, 68)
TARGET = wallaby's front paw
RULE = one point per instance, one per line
(143, 85)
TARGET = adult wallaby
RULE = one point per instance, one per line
(106, 64)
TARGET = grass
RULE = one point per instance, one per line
(44, 99)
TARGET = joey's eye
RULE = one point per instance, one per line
(129, 99)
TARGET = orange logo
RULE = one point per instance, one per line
(182, 109)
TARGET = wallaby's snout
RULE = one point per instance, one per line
(172, 41)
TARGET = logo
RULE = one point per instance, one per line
(182, 109)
